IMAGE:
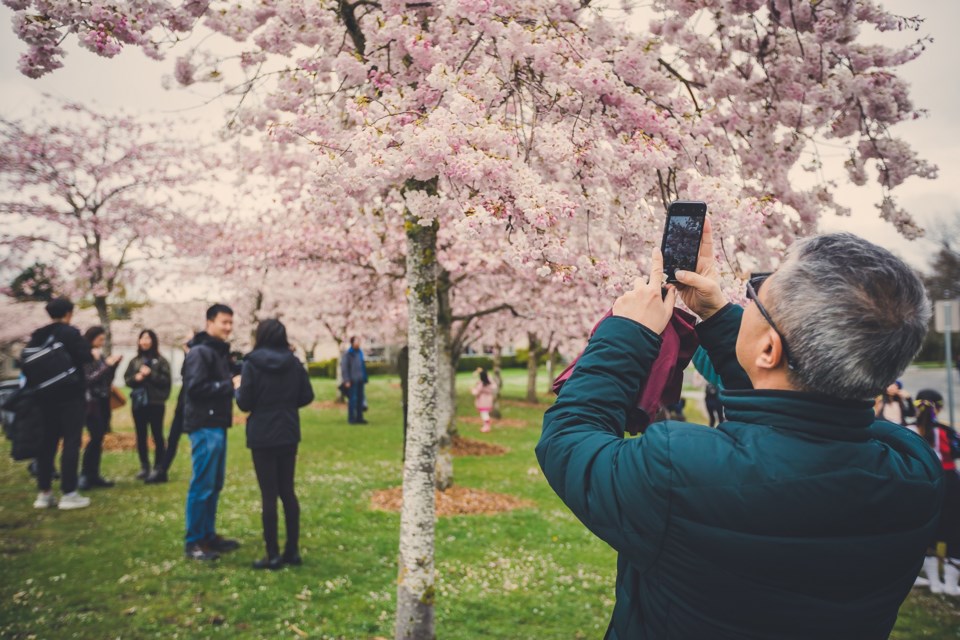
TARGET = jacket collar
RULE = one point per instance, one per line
(815, 414)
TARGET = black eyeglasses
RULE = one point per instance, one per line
(753, 286)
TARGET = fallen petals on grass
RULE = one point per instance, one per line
(468, 447)
(455, 501)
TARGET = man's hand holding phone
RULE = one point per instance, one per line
(646, 303)
(701, 291)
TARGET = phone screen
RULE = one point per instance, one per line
(681, 237)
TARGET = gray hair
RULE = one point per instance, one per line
(853, 314)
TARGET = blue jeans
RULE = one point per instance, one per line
(355, 402)
(208, 448)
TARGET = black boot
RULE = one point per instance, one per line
(144, 473)
(274, 563)
(157, 476)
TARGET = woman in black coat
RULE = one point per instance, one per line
(272, 387)
(148, 375)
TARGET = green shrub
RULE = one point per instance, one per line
(323, 368)
(380, 368)
(471, 362)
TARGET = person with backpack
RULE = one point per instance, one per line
(53, 363)
(946, 443)
(272, 387)
(98, 376)
(148, 375)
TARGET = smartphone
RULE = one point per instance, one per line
(681, 237)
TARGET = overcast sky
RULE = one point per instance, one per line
(134, 83)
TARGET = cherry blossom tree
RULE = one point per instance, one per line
(541, 122)
(93, 195)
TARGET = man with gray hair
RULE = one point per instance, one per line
(801, 516)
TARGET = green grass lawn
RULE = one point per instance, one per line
(116, 570)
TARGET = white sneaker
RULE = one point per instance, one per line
(73, 500)
(931, 566)
(951, 577)
(45, 500)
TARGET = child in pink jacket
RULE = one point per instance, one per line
(484, 393)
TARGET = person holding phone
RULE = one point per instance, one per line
(98, 376)
(801, 515)
(148, 375)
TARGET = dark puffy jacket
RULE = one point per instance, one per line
(157, 383)
(98, 376)
(207, 383)
(801, 517)
(76, 346)
(273, 387)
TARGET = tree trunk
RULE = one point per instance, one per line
(100, 303)
(533, 361)
(446, 384)
(446, 414)
(550, 362)
(415, 580)
(498, 378)
(255, 316)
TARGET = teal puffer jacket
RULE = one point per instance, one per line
(800, 517)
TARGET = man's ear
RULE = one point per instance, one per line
(771, 354)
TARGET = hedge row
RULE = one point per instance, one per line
(328, 368)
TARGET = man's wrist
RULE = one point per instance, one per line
(707, 314)
(707, 320)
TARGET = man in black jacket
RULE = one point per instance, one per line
(62, 409)
(207, 414)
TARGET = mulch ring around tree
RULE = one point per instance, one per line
(468, 447)
(455, 501)
(114, 441)
(509, 423)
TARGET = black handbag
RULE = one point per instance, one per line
(139, 398)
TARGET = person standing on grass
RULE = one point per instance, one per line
(98, 376)
(484, 393)
(273, 387)
(800, 516)
(148, 375)
(354, 373)
(943, 440)
(62, 406)
(714, 405)
(159, 473)
(208, 387)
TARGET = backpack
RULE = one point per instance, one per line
(48, 366)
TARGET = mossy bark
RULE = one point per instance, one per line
(415, 580)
